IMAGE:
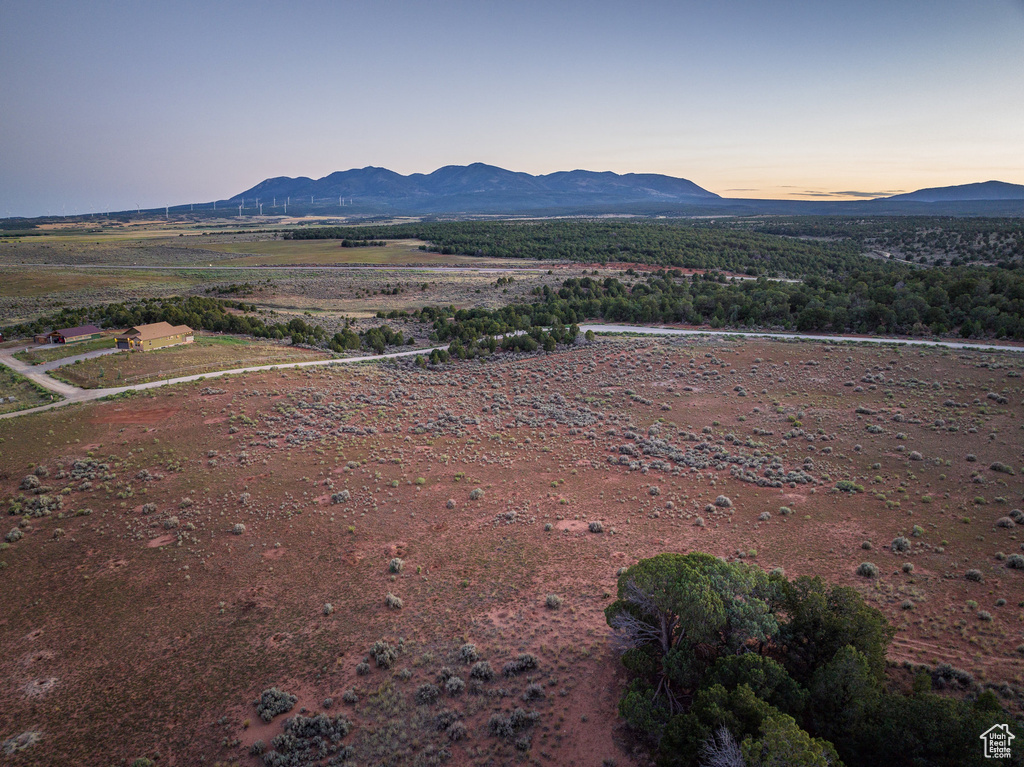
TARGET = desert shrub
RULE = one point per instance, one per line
(427, 693)
(341, 497)
(30, 482)
(14, 535)
(445, 718)
(468, 653)
(238, 529)
(482, 670)
(523, 662)
(1002, 468)
(170, 523)
(508, 726)
(148, 508)
(917, 531)
(257, 747)
(362, 669)
(476, 494)
(272, 702)
(900, 544)
(908, 567)
(533, 692)
(866, 545)
(1017, 516)
(699, 522)
(974, 575)
(548, 527)
(450, 504)
(846, 486)
(1006, 522)
(907, 605)
(764, 516)
(456, 731)
(454, 685)
(384, 654)
(970, 458)
(395, 565)
(395, 603)
(723, 502)
(350, 695)
(867, 570)
(984, 615)
(915, 456)
(785, 511)
(596, 527)
(328, 608)
(553, 601)
(1015, 562)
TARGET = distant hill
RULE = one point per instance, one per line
(988, 190)
(480, 188)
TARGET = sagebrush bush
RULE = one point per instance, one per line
(482, 670)
(454, 685)
(392, 601)
(1015, 562)
(476, 494)
(272, 702)
(384, 654)
(867, 570)
(427, 693)
(395, 565)
(974, 575)
(468, 653)
(523, 662)
(900, 544)
(553, 601)
(596, 527)
(1005, 522)
(723, 501)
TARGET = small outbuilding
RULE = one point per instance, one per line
(73, 335)
(155, 336)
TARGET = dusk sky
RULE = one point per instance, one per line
(106, 105)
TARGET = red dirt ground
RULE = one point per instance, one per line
(143, 634)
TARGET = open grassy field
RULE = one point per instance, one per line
(267, 530)
(50, 352)
(320, 252)
(19, 393)
(208, 353)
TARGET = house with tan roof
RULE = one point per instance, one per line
(155, 336)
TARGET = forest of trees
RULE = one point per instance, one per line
(974, 303)
(954, 240)
(643, 242)
(733, 666)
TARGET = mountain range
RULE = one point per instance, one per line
(481, 188)
(489, 190)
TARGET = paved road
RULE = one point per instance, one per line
(73, 394)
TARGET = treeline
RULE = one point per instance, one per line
(670, 244)
(731, 665)
(997, 240)
(198, 312)
(878, 299)
(202, 313)
(349, 243)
